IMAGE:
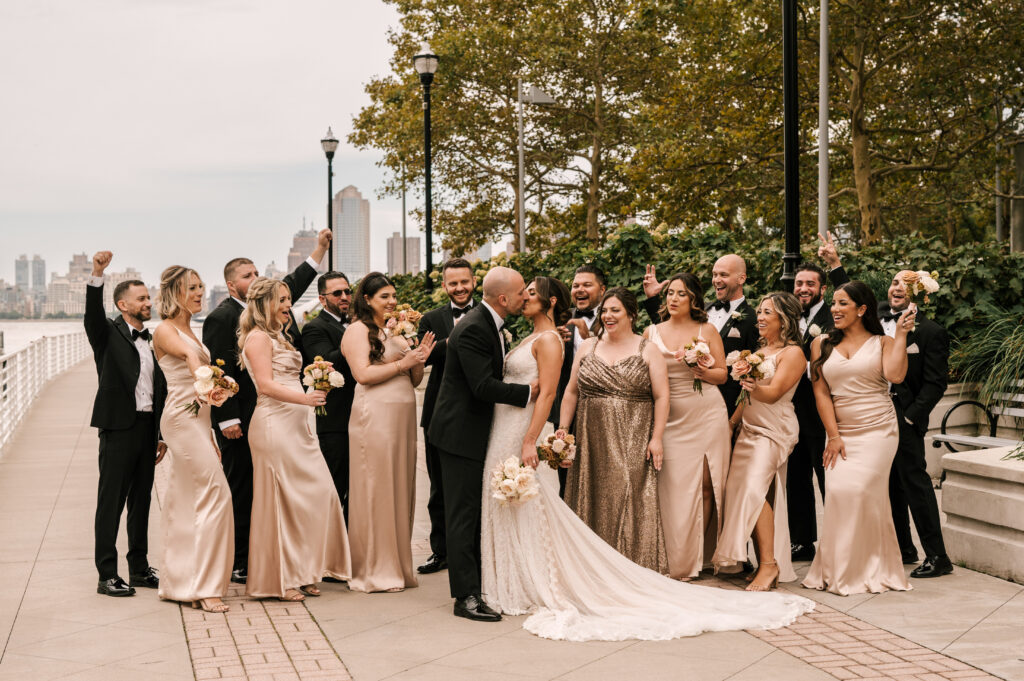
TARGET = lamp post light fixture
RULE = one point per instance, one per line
(791, 150)
(330, 145)
(537, 97)
(426, 65)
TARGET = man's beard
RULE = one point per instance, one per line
(137, 316)
(814, 301)
(336, 311)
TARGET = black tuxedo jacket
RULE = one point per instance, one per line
(927, 364)
(220, 335)
(440, 321)
(321, 337)
(470, 387)
(803, 399)
(568, 357)
(118, 366)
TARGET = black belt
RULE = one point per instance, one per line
(144, 414)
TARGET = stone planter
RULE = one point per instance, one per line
(983, 498)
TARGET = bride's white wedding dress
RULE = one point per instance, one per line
(538, 557)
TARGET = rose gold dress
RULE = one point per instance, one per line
(697, 431)
(382, 471)
(858, 551)
(297, 533)
(198, 526)
(767, 435)
(612, 486)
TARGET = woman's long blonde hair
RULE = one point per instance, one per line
(174, 283)
(260, 314)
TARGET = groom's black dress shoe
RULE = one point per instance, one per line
(801, 552)
(147, 579)
(474, 608)
(333, 580)
(909, 557)
(933, 566)
(114, 586)
(239, 576)
(434, 564)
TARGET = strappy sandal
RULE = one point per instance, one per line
(292, 596)
(310, 590)
(207, 607)
(775, 581)
(394, 590)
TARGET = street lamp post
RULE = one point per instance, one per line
(426, 65)
(791, 151)
(330, 145)
(540, 98)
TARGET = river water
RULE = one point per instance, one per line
(20, 332)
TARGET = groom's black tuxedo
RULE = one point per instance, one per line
(460, 427)
(128, 438)
(914, 398)
(220, 335)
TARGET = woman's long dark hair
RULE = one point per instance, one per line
(861, 294)
(368, 287)
(693, 289)
(628, 300)
(548, 288)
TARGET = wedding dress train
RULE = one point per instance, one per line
(538, 557)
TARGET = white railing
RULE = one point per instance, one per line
(24, 372)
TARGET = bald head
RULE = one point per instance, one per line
(504, 290)
(728, 276)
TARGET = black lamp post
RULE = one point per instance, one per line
(426, 65)
(791, 149)
(330, 145)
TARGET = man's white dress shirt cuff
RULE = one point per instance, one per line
(224, 425)
(95, 281)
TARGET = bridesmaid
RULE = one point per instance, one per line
(851, 368)
(198, 527)
(692, 478)
(620, 383)
(755, 494)
(297, 533)
(382, 441)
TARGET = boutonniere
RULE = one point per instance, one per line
(507, 335)
(814, 330)
(736, 316)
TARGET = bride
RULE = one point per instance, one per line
(538, 557)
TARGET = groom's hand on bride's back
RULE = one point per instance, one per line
(534, 389)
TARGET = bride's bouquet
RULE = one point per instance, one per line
(512, 482)
(557, 450)
(696, 353)
(212, 387)
(403, 321)
(320, 375)
(747, 364)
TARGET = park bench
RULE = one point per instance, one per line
(1002, 404)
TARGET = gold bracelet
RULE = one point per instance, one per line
(835, 437)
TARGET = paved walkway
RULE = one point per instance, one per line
(54, 626)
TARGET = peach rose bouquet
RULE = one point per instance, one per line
(212, 387)
(320, 375)
(747, 364)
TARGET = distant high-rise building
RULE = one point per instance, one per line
(38, 275)
(217, 296)
(411, 264)
(351, 233)
(303, 245)
(80, 268)
(22, 277)
(272, 272)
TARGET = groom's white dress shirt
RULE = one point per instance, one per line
(720, 317)
(498, 322)
(144, 386)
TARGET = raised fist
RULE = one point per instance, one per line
(100, 262)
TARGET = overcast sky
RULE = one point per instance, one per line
(181, 131)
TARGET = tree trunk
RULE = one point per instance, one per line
(594, 190)
(1017, 205)
(863, 176)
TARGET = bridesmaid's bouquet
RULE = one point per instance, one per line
(320, 375)
(920, 282)
(212, 387)
(403, 321)
(694, 354)
(747, 364)
(557, 448)
(512, 482)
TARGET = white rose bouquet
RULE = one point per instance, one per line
(557, 448)
(403, 321)
(920, 282)
(512, 482)
(320, 375)
(212, 387)
(696, 353)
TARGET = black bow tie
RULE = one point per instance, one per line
(459, 311)
(888, 316)
(719, 305)
(807, 314)
(144, 333)
(583, 314)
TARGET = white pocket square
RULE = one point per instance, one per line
(912, 349)
(734, 333)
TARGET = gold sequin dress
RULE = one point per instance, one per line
(612, 486)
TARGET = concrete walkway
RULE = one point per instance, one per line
(54, 626)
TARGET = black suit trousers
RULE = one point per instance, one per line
(126, 461)
(803, 464)
(911, 486)
(435, 502)
(334, 447)
(237, 461)
(463, 491)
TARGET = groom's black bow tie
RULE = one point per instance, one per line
(144, 333)
(719, 305)
(889, 316)
(583, 314)
(459, 311)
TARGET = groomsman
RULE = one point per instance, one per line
(914, 398)
(804, 462)
(458, 282)
(321, 337)
(588, 286)
(220, 335)
(730, 313)
(127, 409)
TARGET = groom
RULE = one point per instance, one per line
(461, 425)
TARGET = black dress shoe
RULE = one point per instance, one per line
(147, 579)
(933, 566)
(239, 576)
(909, 557)
(474, 608)
(801, 552)
(434, 564)
(333, 580)
(114, 586)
